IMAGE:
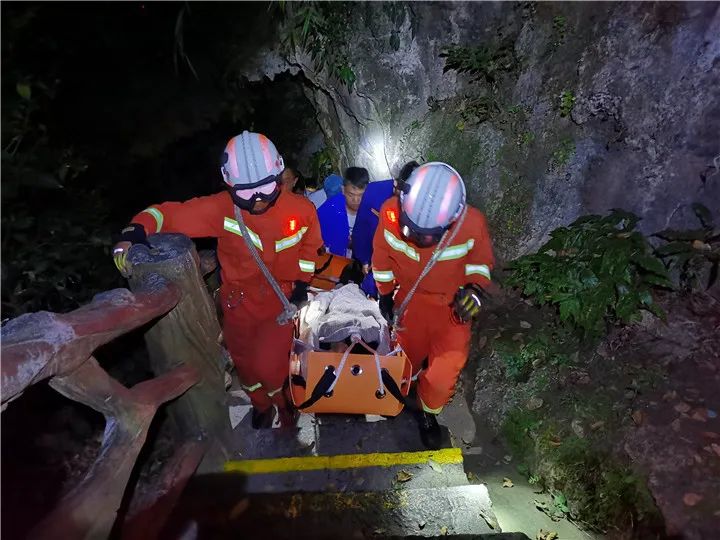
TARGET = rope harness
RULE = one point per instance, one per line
(289, 309)
(446, 239)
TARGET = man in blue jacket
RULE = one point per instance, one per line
(367, 220)
(339, 213)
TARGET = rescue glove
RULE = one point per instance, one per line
(299, 295)
(467, 302)
(387, 306)
(132, 234)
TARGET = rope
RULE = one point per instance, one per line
(446, 239)
(289, 309)
(354, 339)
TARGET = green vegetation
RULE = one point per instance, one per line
(567, 102)
(692, 252)
(596, 271)
(559, 31)
(585, 484)
(323, 163)
(542, 349)
(320, 29)
(479, 109)
(562, 154)
(54, 259)
(509, 216)
(518, 430)
(525, 138)
(483, 63)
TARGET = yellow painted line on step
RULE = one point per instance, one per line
(445, 456)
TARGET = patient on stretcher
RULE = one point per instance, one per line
(331, 318)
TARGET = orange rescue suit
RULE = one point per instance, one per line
(287, 237)
(427, 329)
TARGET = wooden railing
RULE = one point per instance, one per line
(183, 341)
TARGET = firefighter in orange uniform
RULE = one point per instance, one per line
(430, 219)
(285, 231)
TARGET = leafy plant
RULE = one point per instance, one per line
(320, 29)
(542, 348)
(562, 154)
(691, 251)
(525, 138)
(517, 430)
(479, 109)
(596, 271)
(56, 255)
(559, 31)
(483, 63)
(323, 163)
(567, 102)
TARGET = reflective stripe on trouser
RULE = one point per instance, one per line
(259, 347)
(428, 331)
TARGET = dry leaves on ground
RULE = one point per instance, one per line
(534, 403)
(507, 483)
(638, 417)
(682, 407)
(490, 519)
(546, 535)
(403, 476)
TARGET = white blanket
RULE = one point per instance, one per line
(333, 316)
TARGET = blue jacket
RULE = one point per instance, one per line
(334, 224)
(366, 223)
(367, 218)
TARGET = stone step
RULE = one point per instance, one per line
(353, 472)
(216, 507)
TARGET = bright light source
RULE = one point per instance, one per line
(374, 147)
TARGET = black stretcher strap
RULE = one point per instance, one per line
(321, 388)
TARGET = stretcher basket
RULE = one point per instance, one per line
(349, 383)
(329, 268)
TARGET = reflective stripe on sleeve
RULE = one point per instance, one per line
(158, 215)
(383, 276)
(307, 266)
(455, 252)
(481, 269)
(398, 245)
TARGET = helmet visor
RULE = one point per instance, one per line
(260, 192)
(417, 235)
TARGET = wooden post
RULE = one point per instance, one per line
(190, 335)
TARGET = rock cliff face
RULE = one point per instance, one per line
(573, 109)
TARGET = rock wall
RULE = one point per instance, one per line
(599, 105)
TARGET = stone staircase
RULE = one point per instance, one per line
(336, 477)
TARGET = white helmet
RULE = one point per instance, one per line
(430, 201)
(251, 167)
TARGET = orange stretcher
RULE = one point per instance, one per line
(329, 268)
(349, 383)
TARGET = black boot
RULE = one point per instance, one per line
(263, 419)
(288, 417)
(430, 432)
